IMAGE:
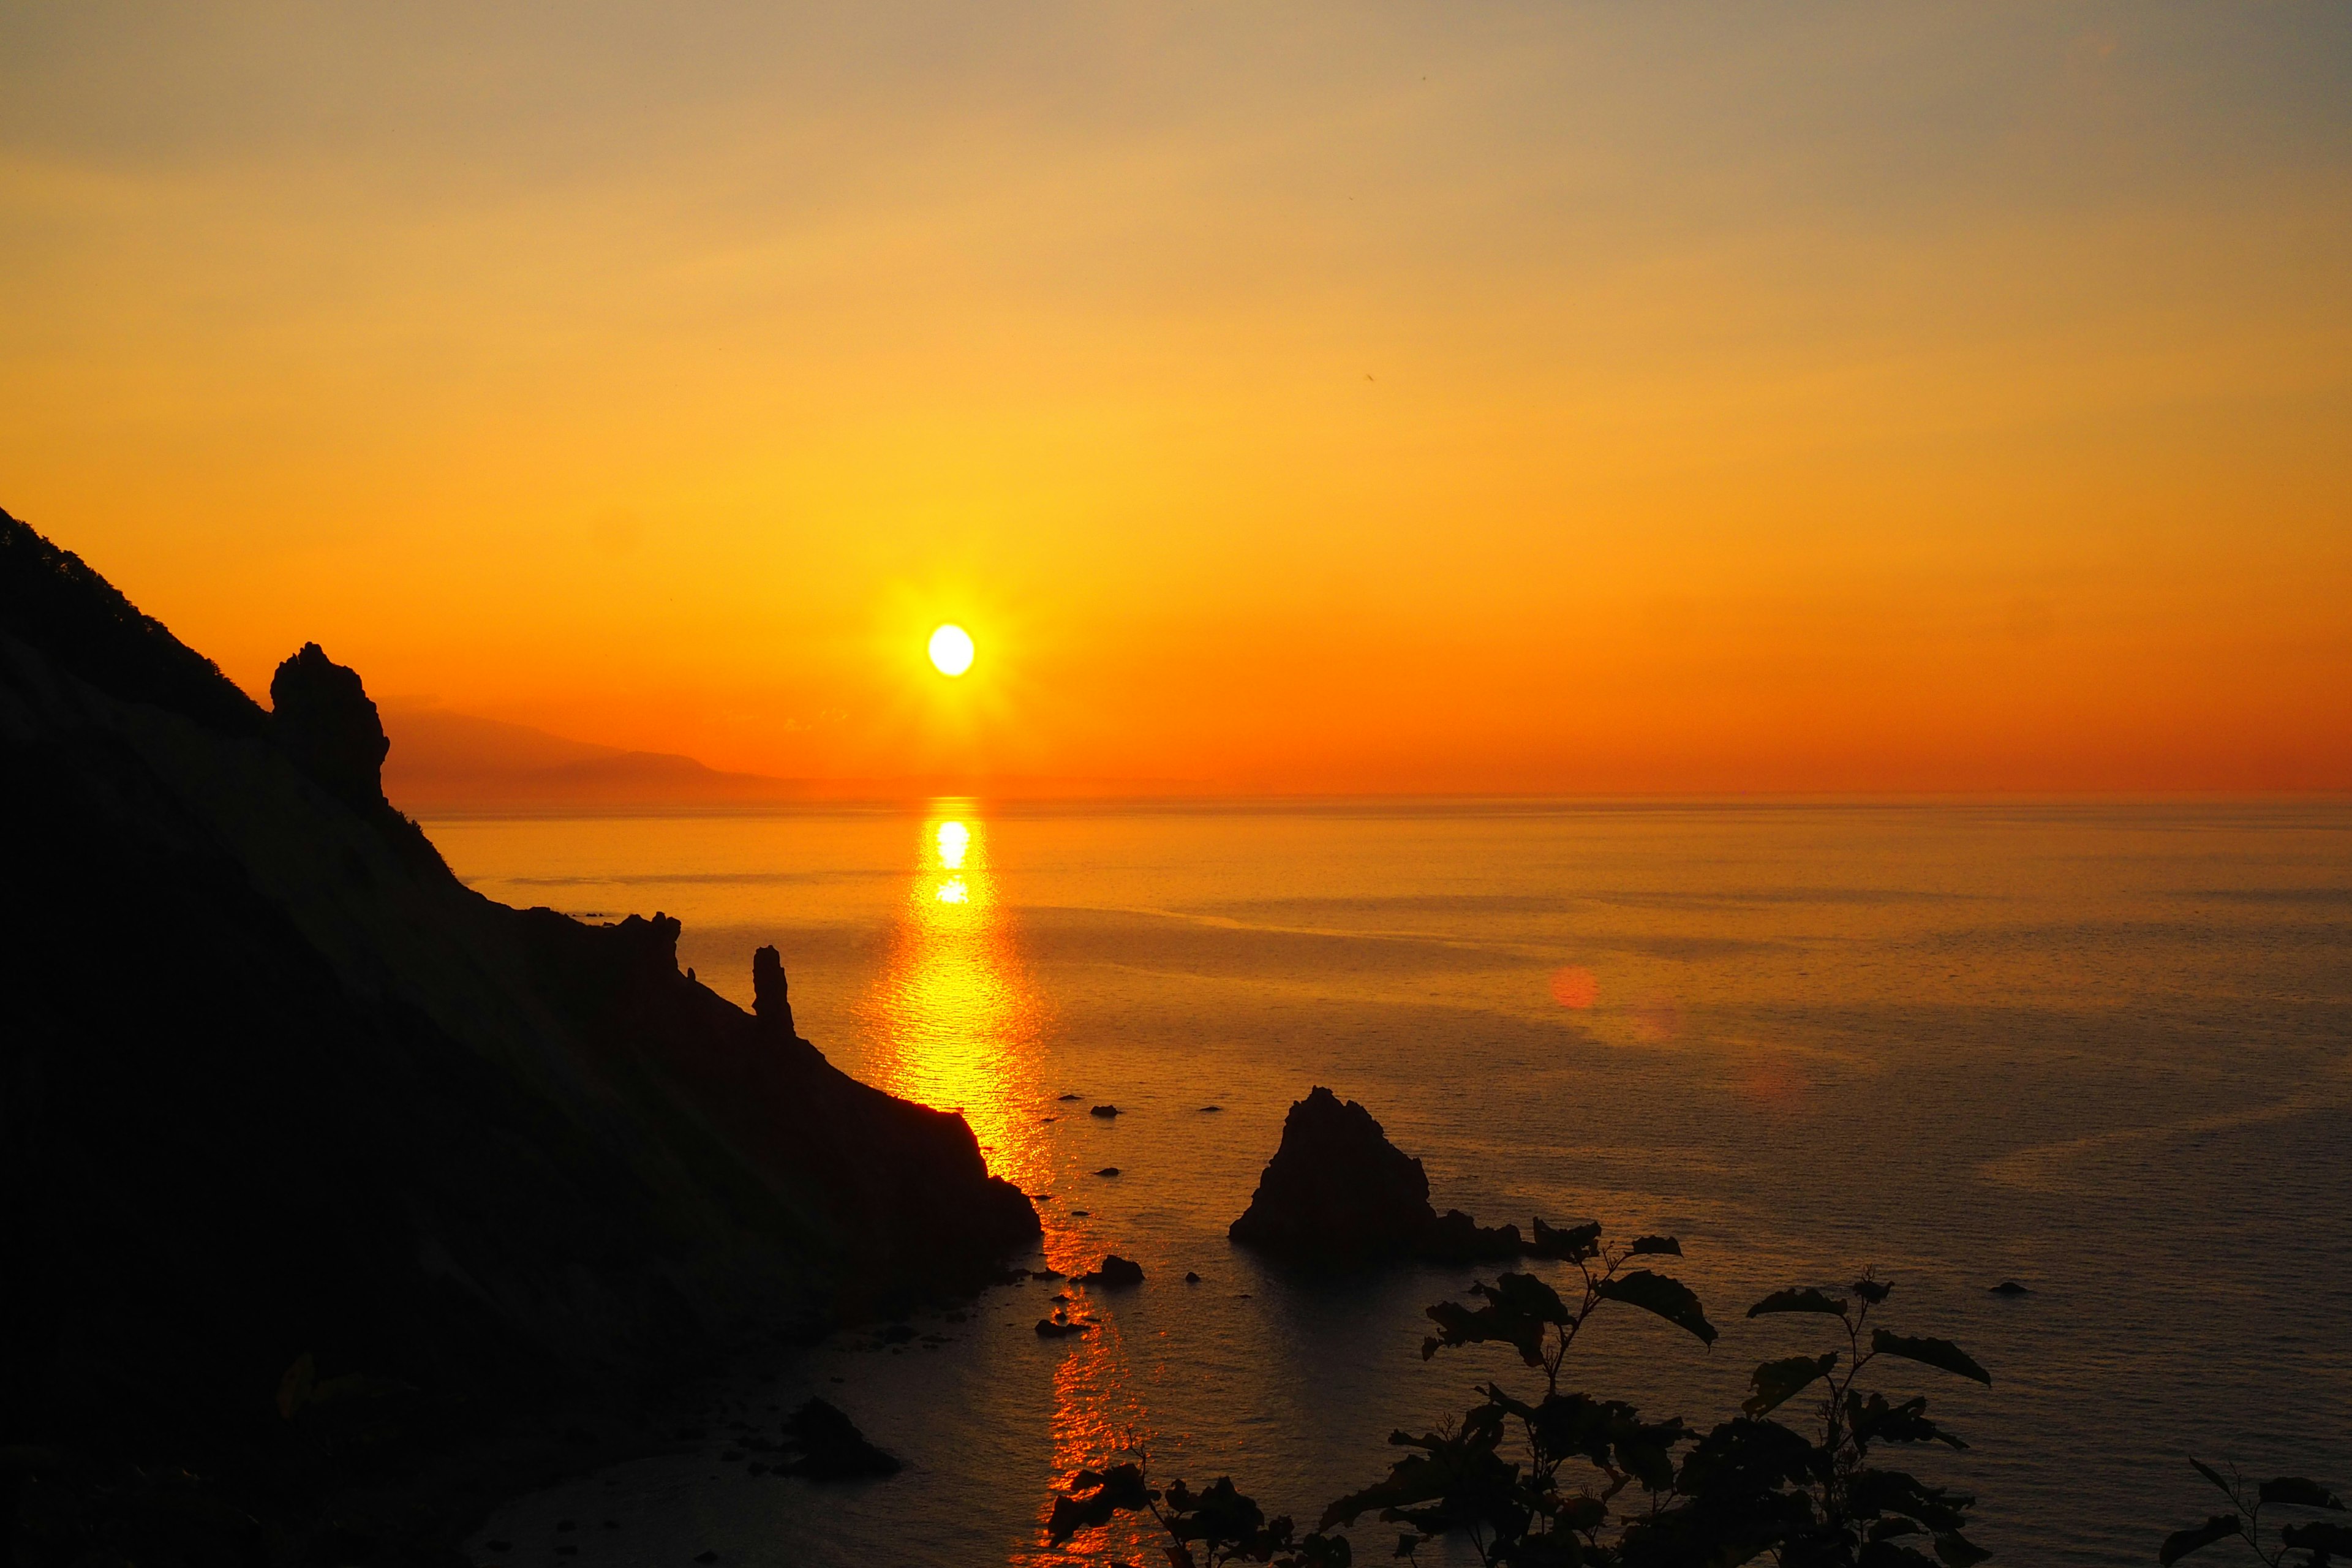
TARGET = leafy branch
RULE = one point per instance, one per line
(2320, 1540)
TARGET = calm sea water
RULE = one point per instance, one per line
(2106, 1051)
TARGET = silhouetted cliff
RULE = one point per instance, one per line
(274, 1083)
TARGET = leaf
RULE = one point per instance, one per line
(1872, 1290)
(1575, 1243)
(1669, 1299)
(2319, 1536)
(1778, 1382)
(1794, 1300)
(1519, 1307)
(2182, 1542)
(1942, 1354)
(294, 1388)
(1873, 1492)
(2207, 1471)
(1120, 1489)
(2301, 1492)
(1647, 1246)
(1879, 1421)
(1958, 1552)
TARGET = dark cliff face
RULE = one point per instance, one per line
(273, 1082)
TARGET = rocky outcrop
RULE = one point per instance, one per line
(822, 1444)
(275, 1084)
(1336, 1191)
(322, 716)
(772, 1001)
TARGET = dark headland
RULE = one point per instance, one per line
(318, 1168)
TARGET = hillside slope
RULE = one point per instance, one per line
(274, 1083)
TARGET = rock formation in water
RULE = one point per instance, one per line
(275, 1084)
(1336, 1191)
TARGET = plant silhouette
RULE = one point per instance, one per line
(1553, 1477)
(2320, 1542)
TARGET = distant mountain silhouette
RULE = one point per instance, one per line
(447, 762)
(275, 1085)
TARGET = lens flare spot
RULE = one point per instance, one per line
(1574, 987)
(1657, 1021)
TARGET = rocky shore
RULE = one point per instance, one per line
(322, 1177)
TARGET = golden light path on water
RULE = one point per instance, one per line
(959, 1025)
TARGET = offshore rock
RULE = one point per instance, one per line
(829, 1446)
(1455, 1237)
(1337, 1189)
(1115, 1271)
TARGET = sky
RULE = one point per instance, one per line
(1376, 397)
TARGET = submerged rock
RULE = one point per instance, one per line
(1060, 1328)
(2010, 1288)
(1104, 1111)
(830, 1448)
(1455, 1237)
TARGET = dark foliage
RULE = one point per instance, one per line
(1207, 1528)
(2305, 1543)
(1554, 1478)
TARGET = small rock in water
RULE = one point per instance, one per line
(1072, 1097)
(1060, 1329)
(1208, 1109)
(1080, 1213)
(2010, 1288)
(1191, 1278)
(831, 1447)
(1115, 1270)
(1104, 1111)
(1108, 1171)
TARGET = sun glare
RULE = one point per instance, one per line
(951, 650)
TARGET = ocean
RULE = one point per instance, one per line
(2102, 1050)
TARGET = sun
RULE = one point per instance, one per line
(952, 649)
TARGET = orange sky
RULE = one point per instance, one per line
(1380, 397)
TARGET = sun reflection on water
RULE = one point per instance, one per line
(957, 1022)
(955, 1013)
